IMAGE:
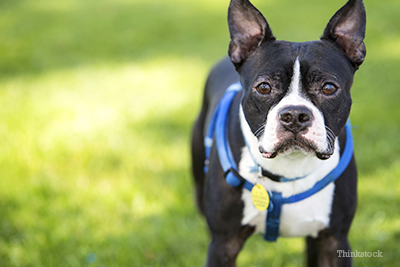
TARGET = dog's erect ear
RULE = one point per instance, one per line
(347, 30)
(248, 29)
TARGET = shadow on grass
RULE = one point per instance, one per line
(48, 36)
(374, 114)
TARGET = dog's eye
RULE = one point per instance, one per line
(263, 88)
(329, 89)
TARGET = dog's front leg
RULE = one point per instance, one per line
(324, 251)
(223, 249)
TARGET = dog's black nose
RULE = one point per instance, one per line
(295, 118)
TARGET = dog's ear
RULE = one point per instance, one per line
(347, 30)
(248, 29)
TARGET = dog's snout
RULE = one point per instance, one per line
(295, 118)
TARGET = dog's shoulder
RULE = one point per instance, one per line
(215, 86)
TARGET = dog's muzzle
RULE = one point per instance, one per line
(294, 122)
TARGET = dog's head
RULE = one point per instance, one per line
(296, 95)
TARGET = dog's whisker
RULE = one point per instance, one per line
(260, 133)
(331, 137)
(260, 130)
(329, 130)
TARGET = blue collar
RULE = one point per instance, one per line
(217, 129)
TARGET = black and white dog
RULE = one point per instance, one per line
(285, 133)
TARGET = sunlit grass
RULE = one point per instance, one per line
(90, 153)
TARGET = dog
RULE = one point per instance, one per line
(273, 154)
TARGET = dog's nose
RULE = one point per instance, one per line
(295, 118)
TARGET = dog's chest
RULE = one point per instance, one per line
(303, 218)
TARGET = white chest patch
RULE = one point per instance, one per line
(303, 218)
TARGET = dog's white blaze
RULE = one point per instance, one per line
(295, 84)
(316, 132)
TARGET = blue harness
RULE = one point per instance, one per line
(218, 126)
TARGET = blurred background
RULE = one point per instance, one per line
(97, 100)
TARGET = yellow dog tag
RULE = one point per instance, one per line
(260, 197)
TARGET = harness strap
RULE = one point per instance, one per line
(218, 125)
(273, 218)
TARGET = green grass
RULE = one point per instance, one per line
(97, 99)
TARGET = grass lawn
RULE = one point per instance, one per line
(97, 99)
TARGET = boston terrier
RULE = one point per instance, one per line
(273, 154)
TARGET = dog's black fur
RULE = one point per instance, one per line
(256, 53)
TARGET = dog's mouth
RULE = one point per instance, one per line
(297, 144)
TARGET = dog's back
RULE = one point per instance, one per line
(214, 89)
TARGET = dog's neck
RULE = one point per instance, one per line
(290, 166)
